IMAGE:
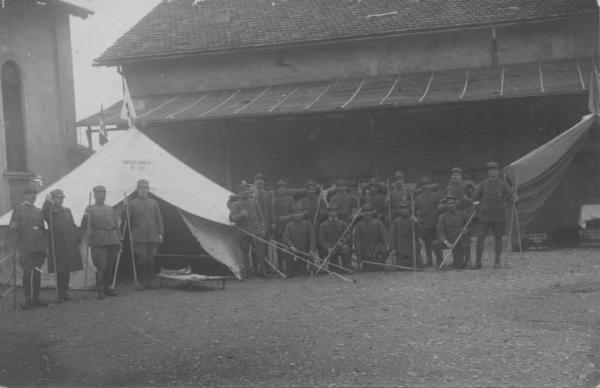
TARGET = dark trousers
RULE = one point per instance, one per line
(144, 259)
(29, 261)
(497, 229)
(458, 253)
(63, 283)
(104, 258)
(256, 263)
(295, 266)
(341, 259)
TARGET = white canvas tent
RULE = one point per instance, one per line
(118, 166)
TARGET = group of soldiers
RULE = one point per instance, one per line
(51, 232)
(375, 226)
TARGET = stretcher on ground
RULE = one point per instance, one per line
(186, 276)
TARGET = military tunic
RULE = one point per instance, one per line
(147, 231)
(343, 202)
(371, 240)
(312, 204)
(28, 222)
(283, 207)
(330, 231)
(449, 226)
(253, 222)
(426, 206)
(104, 239)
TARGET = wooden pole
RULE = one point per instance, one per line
(462, 232)
(87, 249)
(14, 263)
(121, 237)
(135, 278)
(392, 266)
(414, 234)
(339, 241)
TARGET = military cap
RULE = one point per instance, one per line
(456, 170)
(260, 176)
(367, 208)
(492, 165)
(399, 174)
(100, 188)
(31, 188)
(310, 183)
(142, 182)
(281, 183)
(451, 197)
(58, 193)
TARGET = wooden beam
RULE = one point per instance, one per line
(252, 101)
(310, 104)
(284, 99)
(218, 106)
(354, 94)
(194, 103)
(389, 93)
(427, 88)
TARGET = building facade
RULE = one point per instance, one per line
(37, 103)
(323, 89)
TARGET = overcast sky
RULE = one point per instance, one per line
(90, 37)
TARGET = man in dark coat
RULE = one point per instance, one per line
(28, 223)
(449, 226)
(64, 256)
(264, 198)
(283, 209)
(330, 232)
(370, 239)
(102, 227)
(147, 231)
(401, 237)
(247, 216)
(426, 206)
(312, 204)
(463, 191)
(492, 194)
(299, 235)
(399, 193)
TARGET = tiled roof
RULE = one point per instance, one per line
(177, 27)
(453, 86)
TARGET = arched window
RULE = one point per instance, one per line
(14, 125)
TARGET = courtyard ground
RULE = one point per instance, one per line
(534, 324)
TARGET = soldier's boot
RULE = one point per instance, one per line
(27, 275)
(26, 305)
(478, 253)
(497, 262)
(498, 251)
(101, 292)
(109, 291)
(36, 301)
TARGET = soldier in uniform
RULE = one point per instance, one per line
(426, 206)
(401, 237)
(400, 193)
(463, 191)
(449, 226)
(64, 256)
(313, 203)
(264, 198)
(147, 231)
(370, 239)
(330, 232)
(492, 194)
(376, 200)
(101, 224)
(283, 204)
(247, 216)
(343, 201)
(299, 235)
(26, 220)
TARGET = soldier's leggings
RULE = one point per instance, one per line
(31, 278)
(104, 258)
(498, 230)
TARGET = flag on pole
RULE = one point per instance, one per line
(103, 137)
(128, 110)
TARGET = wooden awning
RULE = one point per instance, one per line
(407, 89)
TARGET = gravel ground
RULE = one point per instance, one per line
(533, 324)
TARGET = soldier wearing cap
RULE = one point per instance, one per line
(102, 227)
(426, 206)
(312, 204)
(449, 226)
(283, 204)
(247, 216)
(404, 246)
(464, 192)
(26, 220)
(264, 198)
(299, 235)
(64, 256)
(400, 192)
(370, 239)
(333, 241)
(147, 232)
(492, 195)
(343, 201)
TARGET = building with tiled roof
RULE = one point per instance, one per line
(328, 88)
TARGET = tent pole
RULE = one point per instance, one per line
(135, 277)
